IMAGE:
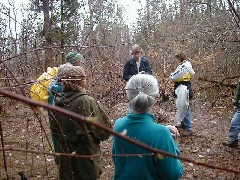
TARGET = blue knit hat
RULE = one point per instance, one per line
(73, 57)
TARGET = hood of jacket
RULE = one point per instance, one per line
(68, 96)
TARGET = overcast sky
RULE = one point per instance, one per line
(131, 7)
(130, 16)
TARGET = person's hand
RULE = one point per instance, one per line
(173, 130)
(142, 72)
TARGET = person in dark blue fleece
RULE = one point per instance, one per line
(137, 64)
(142, 89)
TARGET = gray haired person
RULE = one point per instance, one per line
(142, 90)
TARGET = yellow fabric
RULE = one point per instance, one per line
(39, 91)
(185, 77)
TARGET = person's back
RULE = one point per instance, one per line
(72, 134)
(139, 124)
(144, 129)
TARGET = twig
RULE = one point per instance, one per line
(4, 156)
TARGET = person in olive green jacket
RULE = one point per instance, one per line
(73, 135)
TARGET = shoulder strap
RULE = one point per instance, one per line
(79, 95)
(129, 62)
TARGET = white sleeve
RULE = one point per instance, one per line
(188, 65)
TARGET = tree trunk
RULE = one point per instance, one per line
(46, 34)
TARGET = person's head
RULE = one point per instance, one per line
(63, 68)
(142, 89)
(73, 77)
(74, 58)
(136, 51)
(180, 56)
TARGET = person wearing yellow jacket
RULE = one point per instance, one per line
(182, 76)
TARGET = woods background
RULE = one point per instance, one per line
(208, 31)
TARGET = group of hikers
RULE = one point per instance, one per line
(70, 135)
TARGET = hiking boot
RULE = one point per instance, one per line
(187, 133)
(231, 143)
(178, 126)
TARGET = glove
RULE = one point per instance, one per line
(173, 131)
(57, 88)
(235, 103)
(142, 72)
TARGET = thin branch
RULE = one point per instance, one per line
(4, 155)
(73, 153)
(67, 46)
(219, 83)
(234, 13)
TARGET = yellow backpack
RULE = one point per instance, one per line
(39, 91)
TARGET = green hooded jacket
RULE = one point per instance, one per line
(78, 137)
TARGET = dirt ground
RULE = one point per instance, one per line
(22, 130)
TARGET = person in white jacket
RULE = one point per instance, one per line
(183, 92)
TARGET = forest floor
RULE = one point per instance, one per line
(210, 127)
